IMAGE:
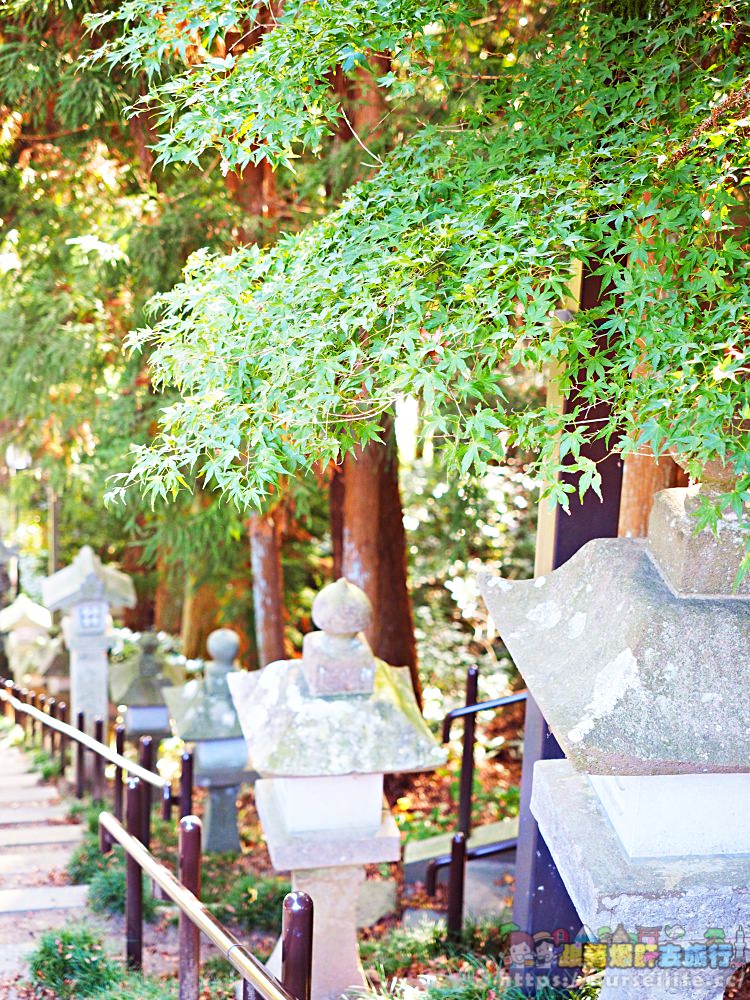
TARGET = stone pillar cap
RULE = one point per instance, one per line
(342, 608)
(223, 645)
(24, 613)
(87, 579)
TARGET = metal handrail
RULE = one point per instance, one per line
(87, 741)
(195, 918)
(481, 706)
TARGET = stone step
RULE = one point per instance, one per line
(28, 867)
(10, 796)
(13, 815)
(418, 853)
(25, 899)
(28, 835)
(29, 779)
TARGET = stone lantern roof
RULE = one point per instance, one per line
(638, 653)
(87, 579)
(337, 711)
(25, 613)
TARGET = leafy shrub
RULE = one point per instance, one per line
(86, 861)
(107, 890)
(255, 903)
(71, 963)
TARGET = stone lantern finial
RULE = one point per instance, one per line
(338, 660)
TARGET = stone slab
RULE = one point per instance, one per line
(28, 779)
(418, 853)
(13, 815)
(34, 899)
(321, 850)
(28, 835)
(631, 678)
(377, 899)
(10, 796)
(693, 893)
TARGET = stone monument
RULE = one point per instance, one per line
(638, 655)
(26, 626)
(136, 684)
(202, 714)
(322, 732)
(87, 590)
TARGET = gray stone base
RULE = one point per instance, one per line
(321, 850)
(682, 898)
(220, 820)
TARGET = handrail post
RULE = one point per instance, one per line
(52, 710)
(16, 692)
(62, 739)
(119, 773)
(80, 758)
(186, 785)
(146, 760)
(456, 886)
(296, 944)
(31, 702)
(467, 755)
(166, 802)
(189, 935)
(41, 704)
(133, 881)
(98, 761)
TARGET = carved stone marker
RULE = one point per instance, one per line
(136, 683)
(88, 590)
(203, 715)
(322, 732)
(638, 655)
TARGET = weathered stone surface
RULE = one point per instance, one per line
(608, 889)
(377, 899)
(87, 579)
(290, 732)
(698, 565)
(220, 820)
(323, 849)
(203, 709)
(631, 678)
(338, 660)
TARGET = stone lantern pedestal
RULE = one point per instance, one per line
(322, 732)
(203, 715)
(638, 655)
(87, 590)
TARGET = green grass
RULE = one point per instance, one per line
(72, 963)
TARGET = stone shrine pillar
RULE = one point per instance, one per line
(201, 713)
(136, 683)
(87, 590)
(638, 654)
(26, 626)
(322, 732)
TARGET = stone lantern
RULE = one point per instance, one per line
(322, 732)
(87, 590)
(203, 715)
(54, 667)
(26, 626)
(7, 554)
(638, 655)
(136, 684)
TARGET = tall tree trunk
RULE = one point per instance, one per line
(374, 548)
(268, 586)
(643, 477)
(167, 600)
(336, 517)
(200, 616)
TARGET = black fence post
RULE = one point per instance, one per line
(17, 714)
(41, 704)
(456, 887)
(119, 773)
(80, 758)
(297, 944)
(166, 803)
(146, 760)
(186, 785)
(98, 761)
(133, 882)
(467, 754)
(189, 935)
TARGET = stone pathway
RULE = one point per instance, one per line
(36, 841)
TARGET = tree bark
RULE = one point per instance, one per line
(200, 616)
(643, 477)
(167, 600)
(374, 548)
(268, 588)
(336, 517)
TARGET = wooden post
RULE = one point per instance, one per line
(297, 944)
(189, 935)
(133, 882)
